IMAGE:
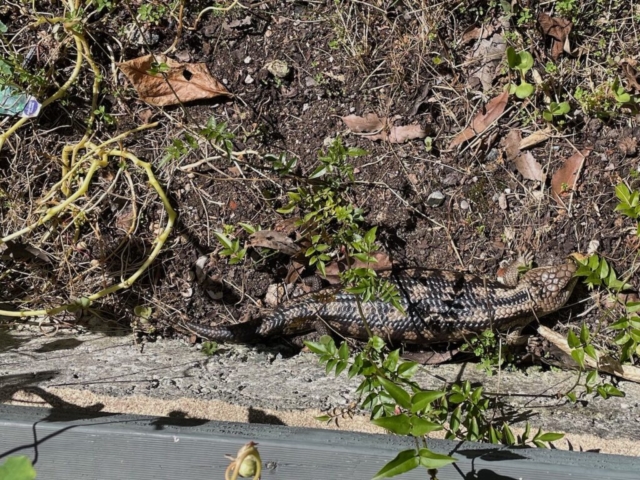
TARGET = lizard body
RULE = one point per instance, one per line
(440, 306)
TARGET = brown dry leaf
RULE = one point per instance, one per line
(370, 123)
(273, 240)
(401, 134)
(486, 58)
(477, 33)
(558, 29)
(567, 175)
(492, 112)
(535, 138)
(334, 268)
(512, 144)
(405, 133)
(529, 167)
(631, 75)
(189, 81)
(145, 115)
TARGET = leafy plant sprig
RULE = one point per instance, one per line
(399, 405)
(521, 62)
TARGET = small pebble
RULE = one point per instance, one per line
(310, 82)
(435, 199)
(248, 79)
(464, 205)
(247, 60)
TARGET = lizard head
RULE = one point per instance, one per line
(550, 287)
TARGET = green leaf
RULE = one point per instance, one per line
(323, 418)
(454, 422)
(524, 90)
(578, 356)
(404, 462)
(142, 312)
(603, 269)
(398, 393)
(398, 424)
(563, 108)
(17, 468)
(456, 398)
(508, 435)
(316, 347)
(370, 236)
(613, 391)
(584, 334)
(549, 437)
(343, 353)
(357, 152)
(622, 338)
(420, 426)
(493, 435)
(632, 307)
(3, 28)
(421, 399)
(342, 364)
(429, 459)
(318, 172)
(513, 59)
(591, 351)
(620, 324)
(525, 62)
(548, 116)
(224, 240)
(407, 369)
(572, 339)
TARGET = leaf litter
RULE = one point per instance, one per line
(525, 162)
(183, 82)
(558, 29)
(566, 177)
(492, 111)
(373, 127)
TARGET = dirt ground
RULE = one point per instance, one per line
(412, 62)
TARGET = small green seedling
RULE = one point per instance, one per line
(522, 62)
(629, 204)
(556, 110)
(620, 94)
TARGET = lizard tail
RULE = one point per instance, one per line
(239, 332)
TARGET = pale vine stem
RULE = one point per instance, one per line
(71, 164)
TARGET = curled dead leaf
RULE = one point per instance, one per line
(512, 144)
(535, 138)
(401, 134)
(558, 29)
(482, 120)
(183, 82)
(566, 177)
(375, 128)
(486, 58)
(631, 74)
(529, 167)
(273, 240)
(370, 123)
(477, 33)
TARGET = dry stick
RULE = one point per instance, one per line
(179, 32)
(626, 372)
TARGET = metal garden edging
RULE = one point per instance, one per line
(102, 446)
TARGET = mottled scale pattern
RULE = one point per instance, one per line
(440, 306)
